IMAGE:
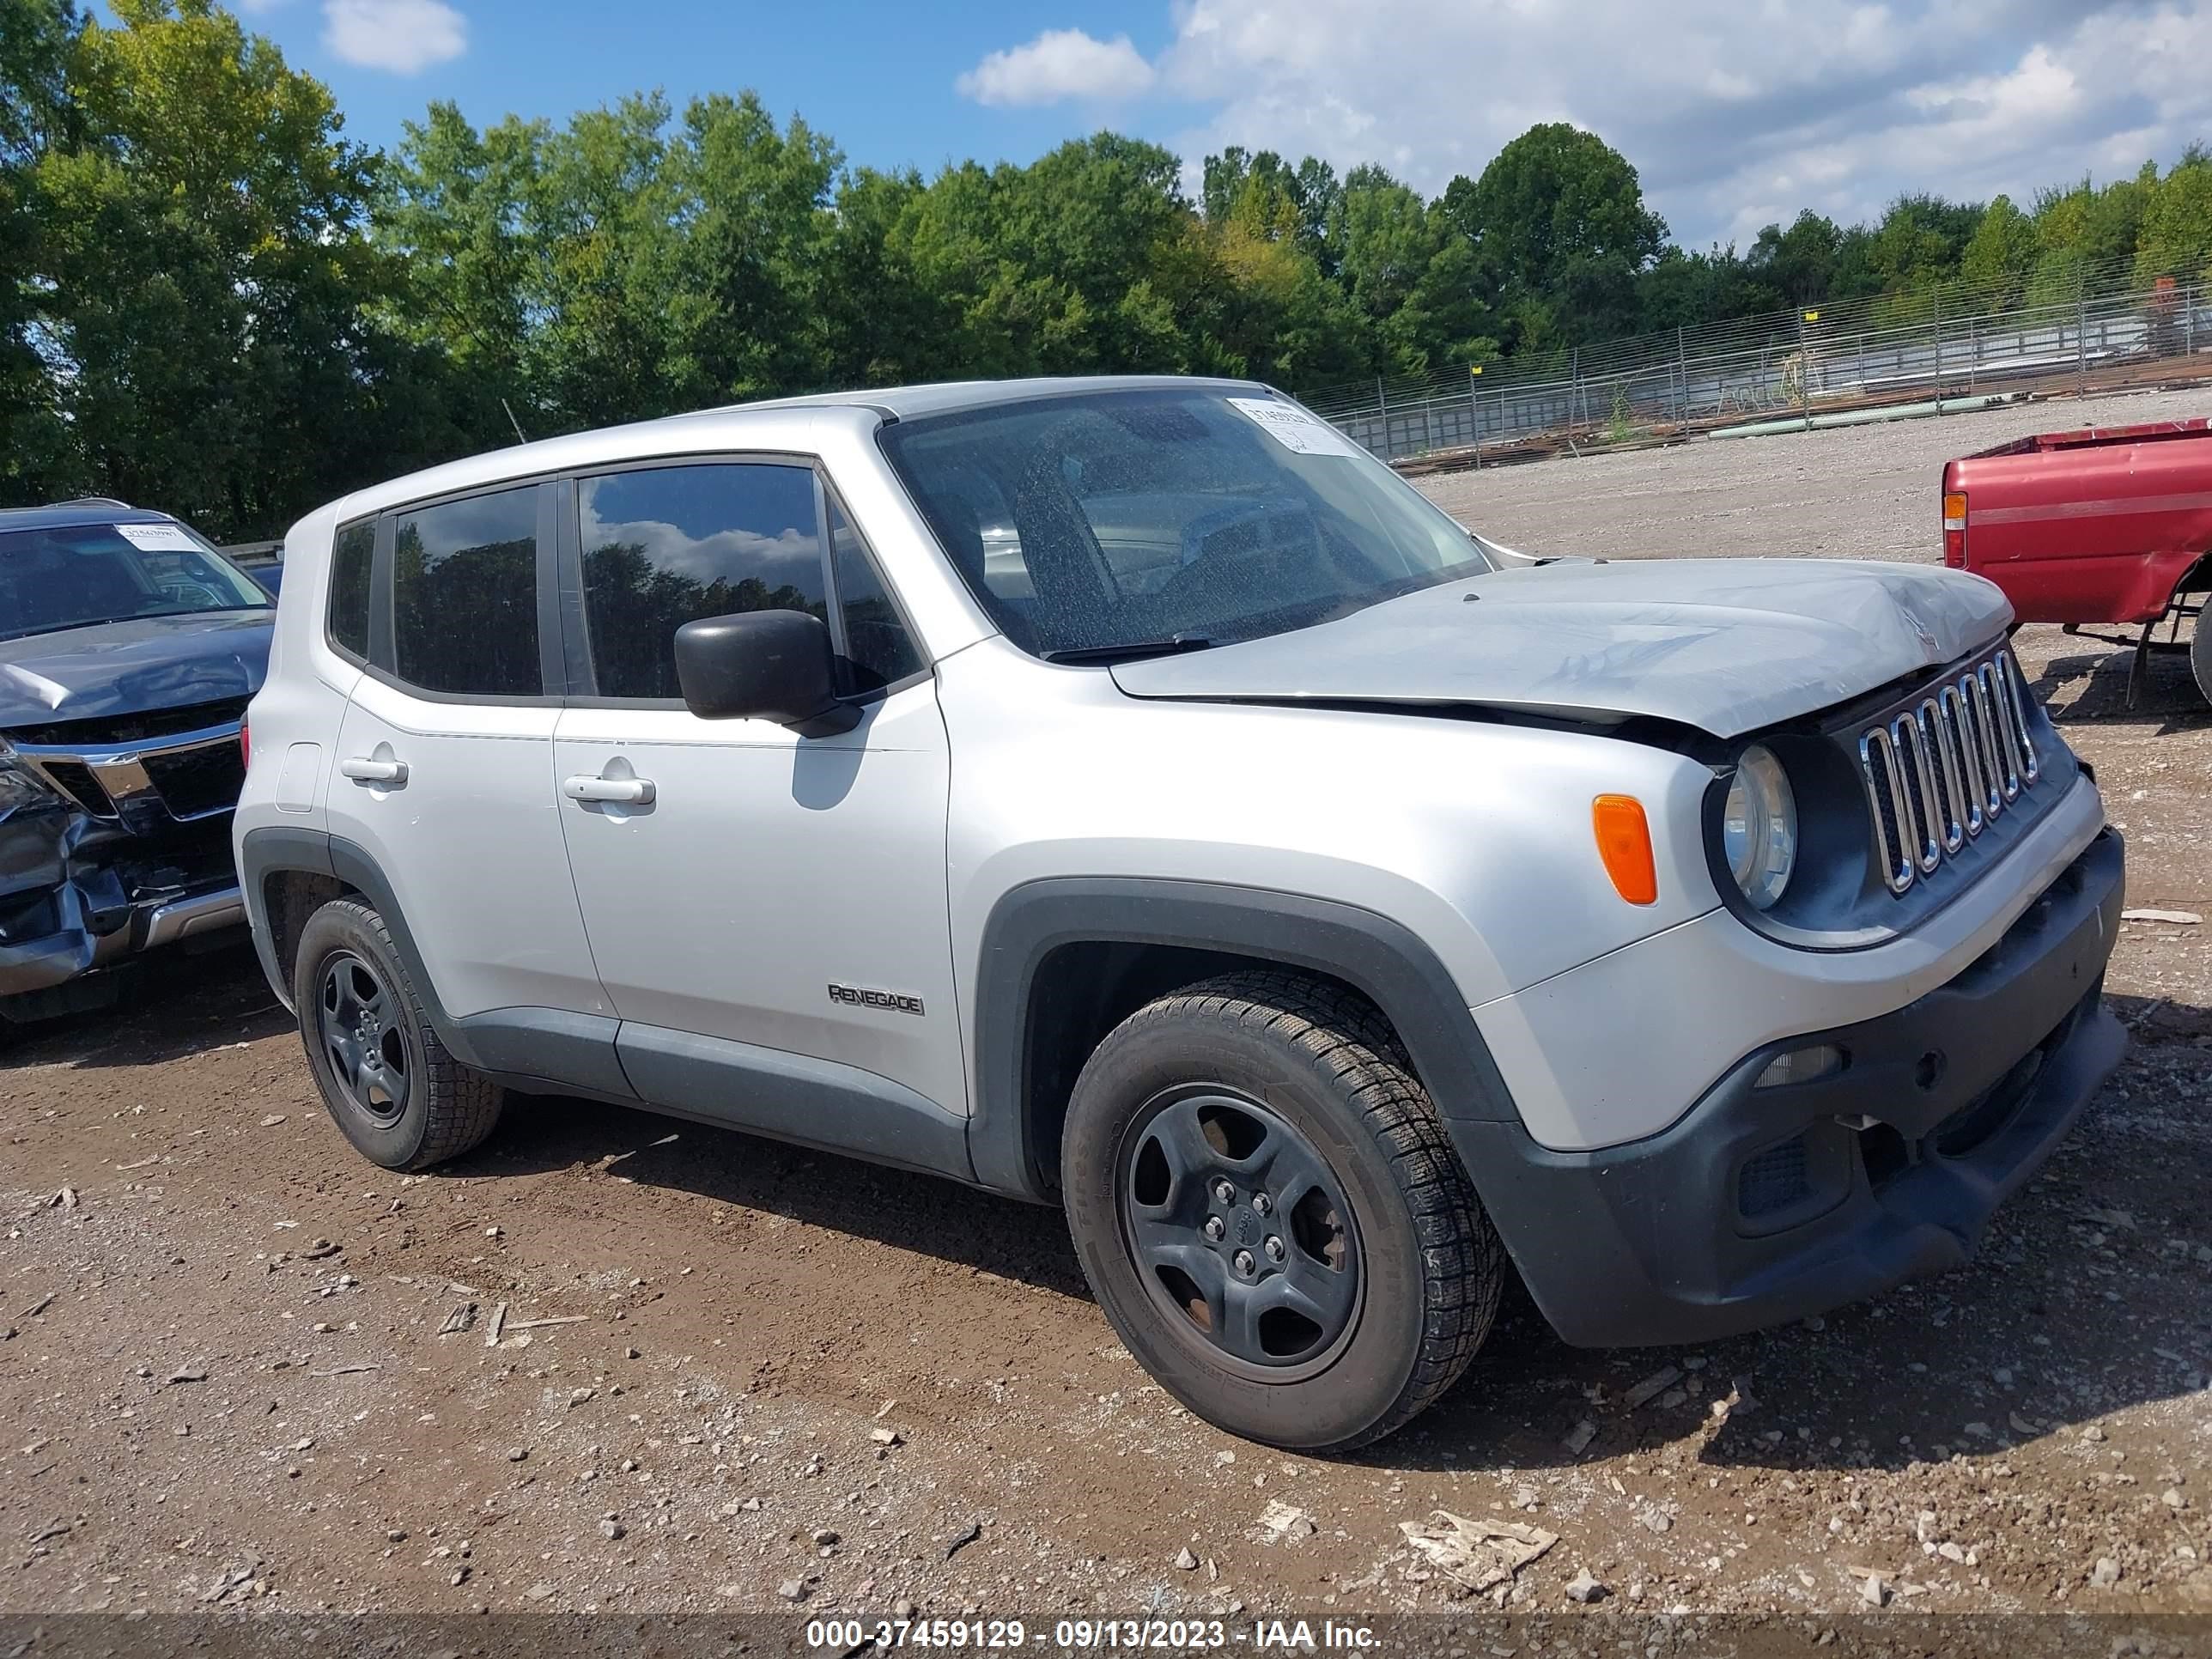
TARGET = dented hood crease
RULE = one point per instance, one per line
(130, 667)
(1728, 645)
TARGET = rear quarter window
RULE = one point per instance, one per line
(352, 553)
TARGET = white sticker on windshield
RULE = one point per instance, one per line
(157, 538)
(1292, 427)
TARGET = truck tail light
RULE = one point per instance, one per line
(245, 746)
(1954, 529)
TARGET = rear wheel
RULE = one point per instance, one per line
(387, 1080)
(1269, 1213)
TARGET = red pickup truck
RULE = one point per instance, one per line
(2105, 525)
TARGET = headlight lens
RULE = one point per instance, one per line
(1759, 826)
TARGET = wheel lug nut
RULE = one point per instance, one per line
(1262, 1204)
(1244, 1262)
(1213, 1227)
(1274, 1249)
(1225, 1193)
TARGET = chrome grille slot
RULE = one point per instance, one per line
(1942, 771)
(1916, 776)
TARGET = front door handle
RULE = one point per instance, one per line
(617, 792)
(390, 773)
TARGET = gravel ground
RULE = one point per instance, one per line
(243, 1368)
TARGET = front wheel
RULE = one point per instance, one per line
(1267, 1210)
(2200, 649)
(385, 1079)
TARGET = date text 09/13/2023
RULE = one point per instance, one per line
(1076, 1635)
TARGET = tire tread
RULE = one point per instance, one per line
(1345, 1038)
(464, 1105)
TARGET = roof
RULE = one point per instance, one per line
(945, 397)
(771, 423)
(62, 515)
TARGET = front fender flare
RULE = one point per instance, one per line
(1379, 958)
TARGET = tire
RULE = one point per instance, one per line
(2200, 649)
(385, 1079)
(1369, 1274)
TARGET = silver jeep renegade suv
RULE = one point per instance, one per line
(1129, 795)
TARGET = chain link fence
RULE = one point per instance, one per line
(1952, 347)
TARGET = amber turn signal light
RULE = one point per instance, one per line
(1624, 843)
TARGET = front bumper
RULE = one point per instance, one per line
(1764, 1205)
(88, 939)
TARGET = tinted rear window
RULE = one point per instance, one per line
(351, 554)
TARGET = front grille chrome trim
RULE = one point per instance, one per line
(1967, 746)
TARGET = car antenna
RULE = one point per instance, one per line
(511, 421)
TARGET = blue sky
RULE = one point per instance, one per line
(1736, 112)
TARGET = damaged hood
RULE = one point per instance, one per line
(130, 667)
(1728, 645)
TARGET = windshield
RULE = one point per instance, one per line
(81, 574)
(1162, 519)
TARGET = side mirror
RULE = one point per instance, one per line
(762, 664)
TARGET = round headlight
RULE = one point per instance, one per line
(1759, 826)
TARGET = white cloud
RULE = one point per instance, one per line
(789, 555)
(1058, 65)
(403, 36)
(1736, 114)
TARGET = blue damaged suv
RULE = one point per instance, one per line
(129, 647)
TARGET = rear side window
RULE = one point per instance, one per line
(351, 554)
(662, 546)
(464, 596)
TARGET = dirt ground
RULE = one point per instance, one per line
(792, 1386)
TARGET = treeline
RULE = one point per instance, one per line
(212, 302)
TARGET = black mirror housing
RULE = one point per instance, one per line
(763, 665)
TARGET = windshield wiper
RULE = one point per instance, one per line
(1132, 650)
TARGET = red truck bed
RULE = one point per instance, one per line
(2105, 525)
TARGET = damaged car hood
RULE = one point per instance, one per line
(130, 667)
(1728, 645)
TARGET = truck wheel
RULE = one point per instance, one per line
(1269, 1212)
(2200, 649)
(400, 1098)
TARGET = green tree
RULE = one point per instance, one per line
(205, 273)
(1558, 223)
(2000, 255)
(2174, 238)
(37, 39)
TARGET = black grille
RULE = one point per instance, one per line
(114, 730)
(76, 780)
(198, 780)
(1773, 1181)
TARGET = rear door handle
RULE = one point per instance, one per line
(618, 792)
(391, 773)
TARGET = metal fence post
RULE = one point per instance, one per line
(1804, 371)
(1681, 377)
(1938, 349)
(2081, 331)
(1475, 416)
(1383, 408)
